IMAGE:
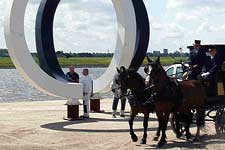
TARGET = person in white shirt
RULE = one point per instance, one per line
(117, 95)
(87, 91)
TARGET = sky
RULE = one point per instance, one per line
(90, 25)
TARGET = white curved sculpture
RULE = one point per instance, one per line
(126, 38)
(22, 59)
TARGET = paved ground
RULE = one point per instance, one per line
(40, 125)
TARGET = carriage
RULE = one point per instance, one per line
(215, 90)
(164, 94)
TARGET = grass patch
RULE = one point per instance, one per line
(5, 62)
(168, 60)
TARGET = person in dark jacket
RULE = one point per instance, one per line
(216, 62)
(197, 61)
(210, 75)
(72, 76)
(116, 96)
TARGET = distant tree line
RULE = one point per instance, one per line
(68, 55)
(4, 53)
(174, 54)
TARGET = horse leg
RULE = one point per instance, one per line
(187, 130)
(164, 120)
(145, 125)
(131, 120)
(200, 120)
(156, 138)
(187, 125)
(197, 135)
(177, 121)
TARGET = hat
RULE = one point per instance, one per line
(197, 42)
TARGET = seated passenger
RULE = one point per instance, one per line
(210, 75)
(216, 62)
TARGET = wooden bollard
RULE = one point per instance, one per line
(73, 109)
(95, 105)
(73, 112)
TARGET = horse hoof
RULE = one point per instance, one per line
(134, 138)
(179, 134)
(143, 141)
(156, 138)
(188, 136)
(161, 143)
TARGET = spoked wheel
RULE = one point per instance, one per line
(220, 121)
(174, 126)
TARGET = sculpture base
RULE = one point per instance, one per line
(73, 112)
(95, 105)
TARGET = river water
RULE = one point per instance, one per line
(13, 88)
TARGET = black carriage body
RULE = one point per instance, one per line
(216, 92)
(215, 103)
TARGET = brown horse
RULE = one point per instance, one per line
(175, 97)
(139, 99)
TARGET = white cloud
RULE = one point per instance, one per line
(205, 27)
(175, 31)
(186, 17)
(186, 20)
(190, 4)
(82, 25)
(157, 26)
(79, 25)
(2, 12)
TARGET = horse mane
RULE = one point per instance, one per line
(164, 71)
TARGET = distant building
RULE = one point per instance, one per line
(165, 51)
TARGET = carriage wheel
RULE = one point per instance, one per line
(174, 126)
(220, 121)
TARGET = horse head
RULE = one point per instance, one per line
(121, 81)
(129, 79)
(153, 68)
(155, 71)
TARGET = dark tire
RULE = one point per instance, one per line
(220, 121)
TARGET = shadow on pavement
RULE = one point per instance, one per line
(61, 126)
(205, 140)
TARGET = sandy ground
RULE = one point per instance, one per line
(40, 126)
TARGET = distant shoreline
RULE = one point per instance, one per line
(82, 62)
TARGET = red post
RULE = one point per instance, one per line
(73, 109)
(95, 105)
(73, 112)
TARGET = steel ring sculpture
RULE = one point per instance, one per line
(131, 47)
